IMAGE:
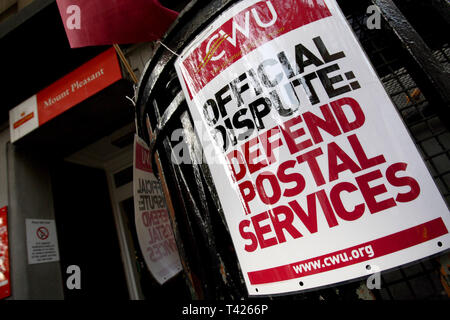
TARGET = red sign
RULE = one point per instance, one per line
(245, 32)
(104, 22)
(5, 285)
(80, 84)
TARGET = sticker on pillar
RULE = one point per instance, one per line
(317, 175)
(23, 119)
(5, 284)
(42, 241)
(153, 225)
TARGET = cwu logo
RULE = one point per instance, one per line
(244, 29)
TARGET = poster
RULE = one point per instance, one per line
(318, 177)
(5, 284)
(42, 241)
(153, 225)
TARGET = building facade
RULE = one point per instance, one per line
(76, 168)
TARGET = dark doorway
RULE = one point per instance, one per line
(86, 232)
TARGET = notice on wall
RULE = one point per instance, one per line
(42, 241)
(153, 226)
(318, 177)
(5, 284)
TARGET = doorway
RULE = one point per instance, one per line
(113, 155)
(86, 232)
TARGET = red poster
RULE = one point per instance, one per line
(5, 284)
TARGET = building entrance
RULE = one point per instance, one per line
(112, 156)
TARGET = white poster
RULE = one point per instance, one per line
(318, 177)
(153, 226)
(42, 241)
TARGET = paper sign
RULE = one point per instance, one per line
(318, 177)
(42, 241)
(153, 226)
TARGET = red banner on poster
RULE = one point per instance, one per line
(142, 156)
(106, 22)
(5, 284)
(318, 178)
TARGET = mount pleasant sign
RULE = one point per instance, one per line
(80, 84)
(317, 175)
